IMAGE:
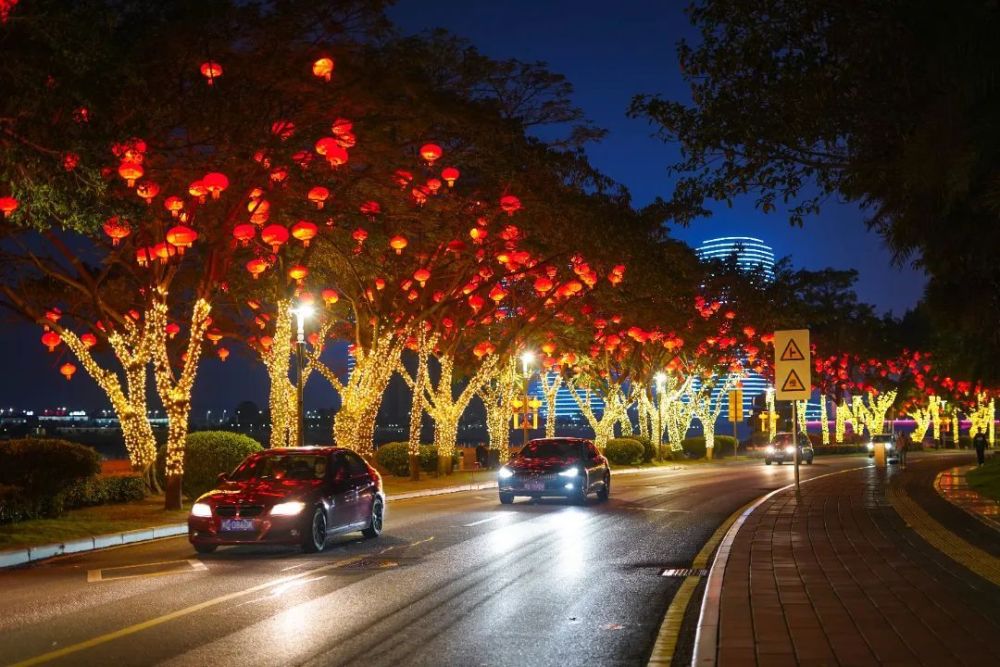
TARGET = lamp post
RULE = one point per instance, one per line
(661, 381)
(527, 358)
(301, 312)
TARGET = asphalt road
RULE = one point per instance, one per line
(453, 580)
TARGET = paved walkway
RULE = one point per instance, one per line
(835, 577)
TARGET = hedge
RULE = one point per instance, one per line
(206, 454)
(394, 457)
(648, 448)
(725, 445)
(840, 449)
(106, 491)
(45, 466)
(624, 451)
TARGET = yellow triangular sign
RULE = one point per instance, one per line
(792, 382)
(792, 352)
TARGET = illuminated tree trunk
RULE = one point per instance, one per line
(282, 397)
(646, 413)
(922, 419)
(841, 413)
(936, 418)
(860, 416)
(361, 395)
(772, 416)
(824, 420)
(981, 416)
(800, 414)
(878, 407)
(604, 428)
(175, 392)
(551, 382)
(678, 416)
(418, 385)
(707, 411)
(498, 396)
(445, 409)
(131, 348)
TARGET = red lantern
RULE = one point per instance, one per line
(304, 231)
(51, 340)
(173, 329)
(543, 284)
(215, 183)
(130, 171)
(318, 195)
(181, 237)
(510, 204)
(88, 339)
(323, 68)
(223, 353)
(298, 273)
(117, 229)
(478, 234)
(8, 205)
(330, 296)
(147, 190)
(173, 204)
(244, 233)
(211, 70)
(70, 161)
(283, 129)
(341, 127)
(398, 243)
(476, 302)
(163, 251)
(67, 370)
(198, 189)
(370, 209)
(214, 335)
(274, 236)
(498, 293)
(450, 175)
(422, 276)
(256, 267)
(430, 152)
(359, 235)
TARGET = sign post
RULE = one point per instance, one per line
(793, 377)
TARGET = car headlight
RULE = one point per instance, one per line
(888, 445)
(201, 509)
(769, 449)
(789, 449)
(871, 446)
(505, 473)
(288, 509)
(570, 472)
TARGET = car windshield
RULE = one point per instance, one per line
(552, 449)
(783, 439)
(883, 438)
(300, 467)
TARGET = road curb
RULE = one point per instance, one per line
(23, 556)
(962, 502)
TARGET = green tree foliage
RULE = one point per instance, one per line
(888, 104)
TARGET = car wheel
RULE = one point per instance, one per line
(374, 528)
(767, 462)
(809, 461)
(780, 462)
(205, 548)
(315, 538)
(605, 491)
(506, 498)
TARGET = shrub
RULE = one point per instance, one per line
(648, 448)
(725, 445)
(16, 506)
(45, 467)
(624, 451)
(395, 458)
(206, 454)
(428, 458)
(106, 491)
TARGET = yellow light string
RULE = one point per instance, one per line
(498, 396)
(446, 409)
(878, 406)
(841, 414)
(772, 416)
(550, 383)
(824, 418)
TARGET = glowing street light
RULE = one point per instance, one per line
(301, 313)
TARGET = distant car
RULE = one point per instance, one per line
(781, 450)
(297, 496)
(890, 446)
(567, 467)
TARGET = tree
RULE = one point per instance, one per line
(885, 104)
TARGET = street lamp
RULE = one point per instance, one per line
(527, 358)
(301, 312)
(661, 381)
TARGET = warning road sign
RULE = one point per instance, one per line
(792, 366)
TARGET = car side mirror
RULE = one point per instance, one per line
(223, 477)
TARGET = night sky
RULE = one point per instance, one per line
(609, 53)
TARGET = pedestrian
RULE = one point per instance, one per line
(901, 447)
(980, 444)
(481, 455)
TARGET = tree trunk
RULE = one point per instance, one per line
(445, 439)
(824, 421)
(173, 499)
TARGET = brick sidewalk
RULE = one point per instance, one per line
(836, 577)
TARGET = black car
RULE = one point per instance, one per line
(567, 467)
(780, 449)
(887, 439)
(296, 495)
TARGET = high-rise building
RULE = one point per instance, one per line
(751, 253)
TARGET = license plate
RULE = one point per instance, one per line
(534, 485)
(237, 525)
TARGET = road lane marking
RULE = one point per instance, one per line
(480, 522)
(670, 629)
(180, 613)
(164, 568)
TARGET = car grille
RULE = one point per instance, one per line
(242, 510)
